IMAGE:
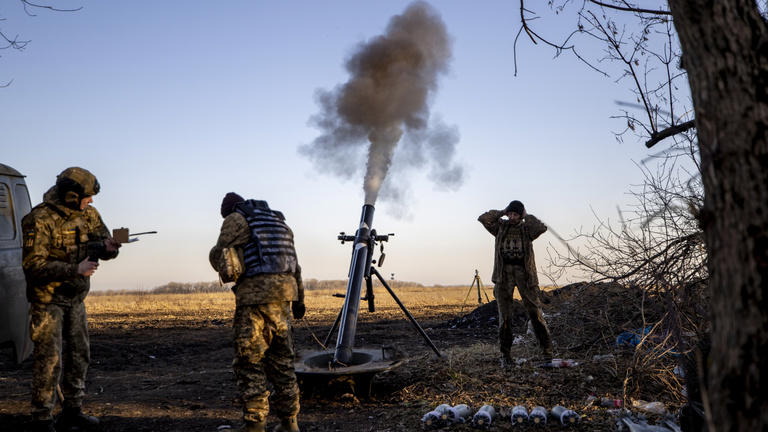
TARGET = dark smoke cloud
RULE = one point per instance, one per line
(386, 99)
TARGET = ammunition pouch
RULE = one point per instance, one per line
(230, 265)
(512, 257)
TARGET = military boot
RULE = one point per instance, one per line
(42, 426)
(254, 426)
(546, 352)
(290, 424)
(73, 419)
(506, 360)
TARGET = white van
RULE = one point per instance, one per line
(14, 308)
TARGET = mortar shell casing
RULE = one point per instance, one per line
(431, 420)
(483, 418)
(445, 412)
(538, 416)
(519, 415)
(460, 413)
(567, 417)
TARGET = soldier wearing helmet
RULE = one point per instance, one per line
(515, 266)
(57, 269)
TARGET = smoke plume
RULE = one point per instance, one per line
(392, 78)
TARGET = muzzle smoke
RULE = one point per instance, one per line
(392, 78)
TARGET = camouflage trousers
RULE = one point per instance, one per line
(264, 354)
(60, 334)
(515, 276)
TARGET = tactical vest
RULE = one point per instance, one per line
(69, 236)
(270, 249)
(512, 247)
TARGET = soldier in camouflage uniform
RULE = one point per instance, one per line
(269, 290)
(515, 266)
(57, 269)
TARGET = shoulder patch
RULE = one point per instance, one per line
(29, 238)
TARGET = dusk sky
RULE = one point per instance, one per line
(173, 104)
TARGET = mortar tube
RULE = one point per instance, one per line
(360, 251)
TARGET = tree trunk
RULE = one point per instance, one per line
(725, 52)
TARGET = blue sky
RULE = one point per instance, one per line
(172, 104)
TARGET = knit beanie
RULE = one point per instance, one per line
(229, 202)
(515, 207)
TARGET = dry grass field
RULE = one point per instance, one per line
(162, 362)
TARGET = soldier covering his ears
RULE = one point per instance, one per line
(515, 266)
(57, 269)
(269, 289)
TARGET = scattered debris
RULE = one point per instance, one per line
(650, 407)
(602, 357)
(643, 426)
(559, 363)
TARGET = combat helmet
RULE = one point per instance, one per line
(74, 184)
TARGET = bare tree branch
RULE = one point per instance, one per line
(631, 9)
(559, 48)
(28, 4)
(668, 132)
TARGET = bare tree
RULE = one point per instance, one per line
(16, 42)
(655, 250)
(722, 53)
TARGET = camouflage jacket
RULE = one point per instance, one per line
(55, 238)
(531, 228)
(262, 288)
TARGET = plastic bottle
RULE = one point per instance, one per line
(560, 363)
(519, 415)
(459, 413)
(484, 417)
(611, 403)
(538, 416)
(567, 417)
(651, 407)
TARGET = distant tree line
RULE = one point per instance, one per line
(341, 284)
(216, 286)
(191, 287)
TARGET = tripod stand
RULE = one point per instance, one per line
(369, 297)
(479, 283)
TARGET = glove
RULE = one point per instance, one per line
(298, 309)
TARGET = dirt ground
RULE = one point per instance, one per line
(173, 372)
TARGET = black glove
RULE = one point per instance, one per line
(298, 310)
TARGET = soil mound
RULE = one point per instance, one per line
(597, 311)
(487, 316)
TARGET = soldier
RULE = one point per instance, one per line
(57, 233)
(269, 290)
(515, 266)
